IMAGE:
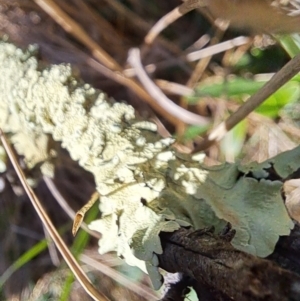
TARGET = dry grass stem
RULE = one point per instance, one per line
(61, 246)
(156, 93)
(81, 213)
(278, 80)
(138, 289)
(51, 248)
(65, 206)
(110, 65)
(76, 30)
(139, 23)
(174, 88)
(171, 17)
(141, 92)
(218, 48)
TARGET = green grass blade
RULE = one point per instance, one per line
(23, 259)
(291, 44)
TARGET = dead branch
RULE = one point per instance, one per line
(225, 272)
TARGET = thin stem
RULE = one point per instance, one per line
(61, 246)
(278, 80)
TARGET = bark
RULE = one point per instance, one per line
(225, 273)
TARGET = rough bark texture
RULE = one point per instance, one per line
(224, 273)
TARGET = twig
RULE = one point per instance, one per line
(69, 25)
(234, 274)
(214, 49)
(141, 92)
(202, 64)
(278, 80)
(171, 17)
(110, 67)
(139, 23)
(174, 88)
(199, 71)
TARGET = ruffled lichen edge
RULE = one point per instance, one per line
(146, 186)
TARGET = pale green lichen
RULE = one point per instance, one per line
(2, 159)
(146, 186)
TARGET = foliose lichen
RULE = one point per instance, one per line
(146, 186)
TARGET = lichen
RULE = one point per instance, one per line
(146, 186)
(2, 159)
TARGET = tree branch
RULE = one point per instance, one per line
(227, 272)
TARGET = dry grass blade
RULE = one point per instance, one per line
(171, 17)
(52, 249)
(215, 49)
(110, 67)
(174, 88)
(75, 29)
(161, 24)
(81, 213)
(140, 289)
(139, 23)
(134, 86)
(109, 32)
(156, 93)
(202, 64)
(65, 206)
(278, 80)
(199, 71)
(61, 246)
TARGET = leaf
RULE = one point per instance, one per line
(193, 131)
(236, 87)
(291, 43)
(288, 93)
(23, 259)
